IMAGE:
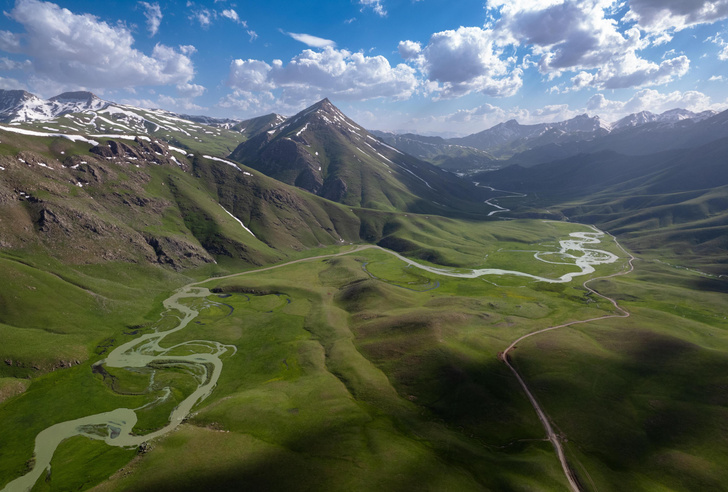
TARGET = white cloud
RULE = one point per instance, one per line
(9, 42)
(375, 5)
(204, 17)
(467, 121)
(232, 15)
(464, 61)
(190, 90)
(653, 101)
(78, 50)
(11, 84)
(481, 113)
(153, 14)
(580, 36)
(177, 104)
(669, 15)
(409, 49)
(312, 75)
(309, 40)
(717, 78)
(8, 64)
(717, 39)
(253, 35)
(248, 103)
(250, 75)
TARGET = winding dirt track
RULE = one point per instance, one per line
(568, 472)
(570, 476)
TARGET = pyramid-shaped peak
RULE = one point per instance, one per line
(324, 104)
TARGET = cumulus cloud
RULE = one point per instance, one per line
(409, 49)
(79, 50)
(463, 61)
(653, 101)
(375, 5)
(190, 90)
(309, 40)
(312, 75)
(667, 15)
(576, 36)
(153, 14)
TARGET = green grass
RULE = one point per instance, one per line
(351, 382)
(317, 369)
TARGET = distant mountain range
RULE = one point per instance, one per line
(500, 146)
(512, 143)
(673, 200)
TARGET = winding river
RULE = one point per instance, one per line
(115, 427)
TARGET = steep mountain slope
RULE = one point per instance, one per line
(668, 118)
(671, 201)
(21, 106)
(438, 151)
(254, 126)
(324, 152)
(512, 143)
(666, 132)
(506, 139)
(85, 114)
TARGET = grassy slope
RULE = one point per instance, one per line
(361, 383)
(642, 400)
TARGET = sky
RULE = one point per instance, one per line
(435, 67)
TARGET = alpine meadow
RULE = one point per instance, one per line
(443, 247)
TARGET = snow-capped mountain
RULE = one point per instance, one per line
(21, 106)
(667, 118)
(326, 153)
(510, 137)
(83, 113)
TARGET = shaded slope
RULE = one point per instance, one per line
(322, 151)
(672, 202)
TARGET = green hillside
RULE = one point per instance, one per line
(672, 205)
(322, 151)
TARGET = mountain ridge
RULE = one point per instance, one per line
(326, 153)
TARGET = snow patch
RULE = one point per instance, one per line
(239, 221)
(32, 133)
(223, 161)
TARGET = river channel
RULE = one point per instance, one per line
(115, 427)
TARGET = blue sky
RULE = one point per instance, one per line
(429, 66)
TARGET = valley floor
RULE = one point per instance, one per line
(359, 371)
